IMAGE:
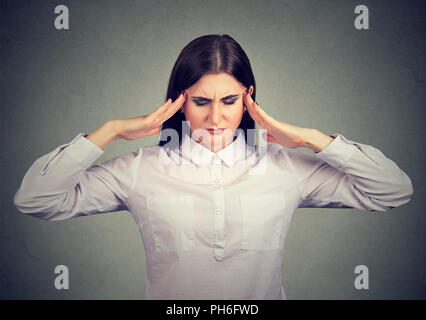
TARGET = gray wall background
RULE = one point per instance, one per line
(312, 69)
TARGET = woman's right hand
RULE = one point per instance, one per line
(141, 126)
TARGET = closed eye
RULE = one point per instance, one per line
(199, 103)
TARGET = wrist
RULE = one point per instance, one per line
(115, 129)
(317, 140)
(104, 135)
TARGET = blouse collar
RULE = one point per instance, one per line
(199, 154)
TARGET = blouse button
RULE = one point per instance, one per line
(218, 211)
(216, 180)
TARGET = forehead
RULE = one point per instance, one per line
(216, 84)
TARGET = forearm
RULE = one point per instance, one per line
(365, 178)
(49, 186)
(104, 135)
(316, 140)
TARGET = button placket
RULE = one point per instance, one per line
(219, 208)
(219, 225)
(216, 173)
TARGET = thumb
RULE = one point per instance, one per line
(153, 131)
(269, 138)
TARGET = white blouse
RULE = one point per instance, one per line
(213, 225)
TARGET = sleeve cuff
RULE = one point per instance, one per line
(338, 152)
(83, 151)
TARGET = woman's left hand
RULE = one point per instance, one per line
(285, 134)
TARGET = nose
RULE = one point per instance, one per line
(215, 114)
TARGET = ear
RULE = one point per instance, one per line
(251, 89)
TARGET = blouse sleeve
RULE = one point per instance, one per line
(347, 174)
(62, 184)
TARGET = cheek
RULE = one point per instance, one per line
(193, 115)
(236, 115)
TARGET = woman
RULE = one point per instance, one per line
(212, 207)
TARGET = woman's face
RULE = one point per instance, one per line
(214, 102)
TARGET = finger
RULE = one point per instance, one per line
(252, 108)
(249, 103)
(162, 108)
(166, 110)
(180, 100)
(176, 105)
(169, 103)
(172, 108)
(258, 114)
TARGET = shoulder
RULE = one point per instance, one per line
(277, 154)
(123, 161)
(141, 153)
(286, 158)
(151, 151)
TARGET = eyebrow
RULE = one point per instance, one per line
(224, 98)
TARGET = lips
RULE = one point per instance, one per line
(216, 131)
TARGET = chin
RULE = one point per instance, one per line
(219, 140)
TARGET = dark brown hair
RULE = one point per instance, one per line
(209, 54)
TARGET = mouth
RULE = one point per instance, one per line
(216, 131)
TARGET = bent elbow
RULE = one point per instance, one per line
(404, 196)
(406, 191)
(391, 199)
(410, 189)
(31, 207)
(407, 188)
(18, 202)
